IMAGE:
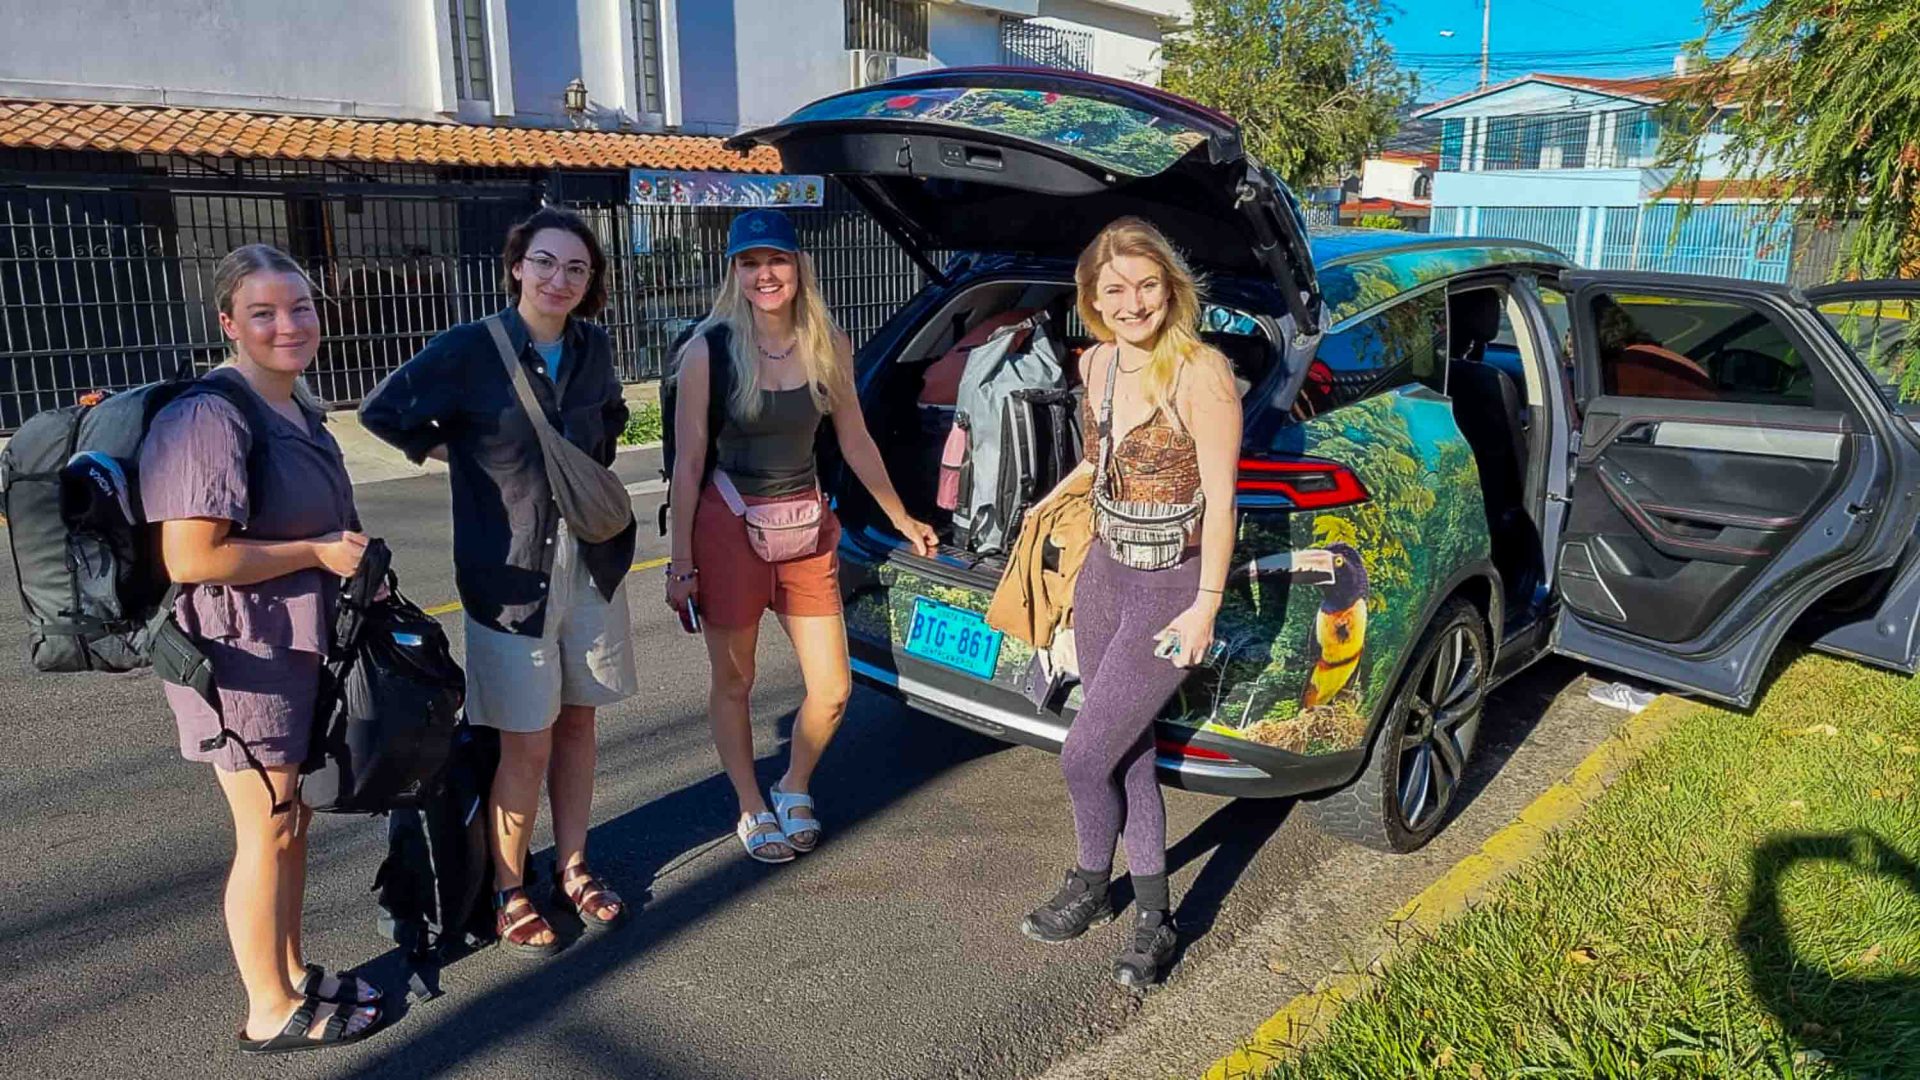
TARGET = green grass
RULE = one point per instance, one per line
(1744, 902)
(643, 426)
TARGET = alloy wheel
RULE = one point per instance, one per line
(1445, 696)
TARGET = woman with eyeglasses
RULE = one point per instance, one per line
(546, 613)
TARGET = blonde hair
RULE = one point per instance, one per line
(242, 263)
(1179, 334)
(814, 331)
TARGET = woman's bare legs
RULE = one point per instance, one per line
(570, 786)
(515, 805)
(820, 642)
(262, 888)
(730, 651)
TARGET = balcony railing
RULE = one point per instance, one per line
(1026, 44)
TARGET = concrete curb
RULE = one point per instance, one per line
(1308, 1016)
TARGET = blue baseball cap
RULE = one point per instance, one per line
(761, 229)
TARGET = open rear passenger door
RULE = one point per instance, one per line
(1880, 322)
(1735, 463)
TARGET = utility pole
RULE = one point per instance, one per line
(1486, 34)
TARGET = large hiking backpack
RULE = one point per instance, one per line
(87, 563)
(1043, 443)
(1017, 357)
(390, 697)
(719, 385)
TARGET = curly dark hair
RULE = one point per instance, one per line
(520, 237)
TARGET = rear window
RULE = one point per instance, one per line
(1886, 338)
(1115, 137)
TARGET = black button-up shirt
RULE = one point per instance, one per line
(456, 393)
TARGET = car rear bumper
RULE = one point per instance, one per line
(996, 712)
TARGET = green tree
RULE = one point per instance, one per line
(1312, 82)
(1378, 221)
(1820, 102)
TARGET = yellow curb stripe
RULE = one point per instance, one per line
(448, 609)
(1309, 1015)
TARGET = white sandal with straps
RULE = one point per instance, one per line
(756, 841)
(784, 804)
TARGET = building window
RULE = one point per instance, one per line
(1029, 44)
(1636, 138)
(890, 26)
(1536, 142)
(468, 19)
(1453, 139)
(646, 55)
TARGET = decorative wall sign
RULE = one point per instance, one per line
(654, 187)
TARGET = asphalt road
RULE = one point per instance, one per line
(893, 951)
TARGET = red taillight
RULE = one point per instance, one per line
(1307, 483)
(1168, 746)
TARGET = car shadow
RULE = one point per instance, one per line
(869, 769)
(1814, 1006)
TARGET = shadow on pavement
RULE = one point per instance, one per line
(634, 851)
(1816, 1008)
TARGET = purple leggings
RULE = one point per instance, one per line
(1108, 755)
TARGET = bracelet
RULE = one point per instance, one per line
(688, 576)
(1216, 592)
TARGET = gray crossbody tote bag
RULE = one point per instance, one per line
(592, 499)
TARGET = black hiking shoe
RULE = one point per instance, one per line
(1075, 909)
(1141, 963)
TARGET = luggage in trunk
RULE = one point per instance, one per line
(1017, 357)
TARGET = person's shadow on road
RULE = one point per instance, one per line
(1835, 1016)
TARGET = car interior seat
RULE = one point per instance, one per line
(1250, 356)
(1490, 410)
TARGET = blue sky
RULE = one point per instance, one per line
(1602, 38)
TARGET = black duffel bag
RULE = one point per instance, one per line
(389, 702)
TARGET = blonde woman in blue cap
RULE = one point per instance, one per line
(751, 530)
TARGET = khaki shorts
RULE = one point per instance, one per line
(583, 656)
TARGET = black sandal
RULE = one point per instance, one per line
(516, 934)
(297, 1034)
(348, 994)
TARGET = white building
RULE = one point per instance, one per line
(695, 66)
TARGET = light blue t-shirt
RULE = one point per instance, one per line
(550, 353)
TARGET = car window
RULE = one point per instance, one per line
(1398, 345)
(1697, 350)
(1886, 338)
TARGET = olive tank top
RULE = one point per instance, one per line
(771, 456)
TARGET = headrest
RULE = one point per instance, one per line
(1473, 320)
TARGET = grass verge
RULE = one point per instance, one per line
(643, 425)
(1743, 902)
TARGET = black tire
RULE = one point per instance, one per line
(1412, 776)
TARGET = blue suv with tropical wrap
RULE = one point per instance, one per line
(1460, 454)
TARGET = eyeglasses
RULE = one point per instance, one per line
(545, 266)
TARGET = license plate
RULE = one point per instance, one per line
(953, 637)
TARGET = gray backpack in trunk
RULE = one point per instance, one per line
(1017, 357)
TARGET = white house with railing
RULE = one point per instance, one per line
(1570, 161)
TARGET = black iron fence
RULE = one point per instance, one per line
(106, 263)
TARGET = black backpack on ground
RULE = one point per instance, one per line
(433, 886)
(389, 701)
(719, 385)
(87, 563)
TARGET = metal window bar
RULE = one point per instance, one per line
(1453, 139)
(108, 283)
(894, 26)
(1031, 44)
(1534, 142)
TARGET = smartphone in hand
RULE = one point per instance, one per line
(689, 617)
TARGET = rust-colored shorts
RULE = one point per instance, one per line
(736, 585)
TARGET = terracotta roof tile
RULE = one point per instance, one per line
(145, 129)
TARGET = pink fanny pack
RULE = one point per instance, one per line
(778, 530)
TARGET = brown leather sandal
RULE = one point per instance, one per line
(590, 897)
(518, 931)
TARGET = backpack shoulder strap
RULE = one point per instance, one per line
(719, 388)
(253, 414)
